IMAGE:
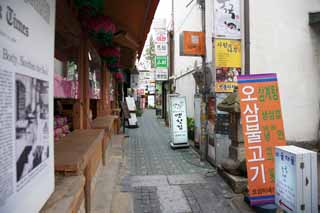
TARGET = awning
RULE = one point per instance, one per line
(133, 20)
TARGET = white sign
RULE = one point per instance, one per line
(133, 121)
(161, 49)
(159, 23)
(179, 128)
(161, 36)
(151, 102)
(27, 32)
(131, 104)
(296, 179)
(227, 19)
(162, 74)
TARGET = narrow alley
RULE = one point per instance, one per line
(164, 180)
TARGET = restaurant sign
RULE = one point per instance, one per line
(262, 130)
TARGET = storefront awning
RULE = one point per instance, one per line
(133, 20)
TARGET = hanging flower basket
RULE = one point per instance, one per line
(89, 7)
(119, 76)
(101, 28)
(110, 56)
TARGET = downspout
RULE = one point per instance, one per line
(247, 36)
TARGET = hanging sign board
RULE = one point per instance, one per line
(161, 61)
(161, 74)
(227, 19)
(161, 49)
(178, 114)
(228, 53)
(27, 34)
(296, 179)
(262, 131)
(193, 44)
(161, 36)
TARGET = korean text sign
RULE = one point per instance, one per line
(262, 131)
(228, 53)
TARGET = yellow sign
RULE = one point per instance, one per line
(228, 53)
(225, 87)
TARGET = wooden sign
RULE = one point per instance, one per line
(193, 44)
(262, 131)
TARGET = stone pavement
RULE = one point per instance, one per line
(164, 180)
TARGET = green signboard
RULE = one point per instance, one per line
(161, 61)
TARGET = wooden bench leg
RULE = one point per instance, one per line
(104, 147)
(87, 188)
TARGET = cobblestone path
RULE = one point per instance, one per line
(169, 181)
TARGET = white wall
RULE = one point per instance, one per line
(283, 42)
(186, 87)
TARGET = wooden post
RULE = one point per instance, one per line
(104, 88)
(82, 106)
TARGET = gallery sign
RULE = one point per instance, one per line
(161, 61)
(227, 19)
(192, 44)
(262, 130)
(26, 116)
(228, 53)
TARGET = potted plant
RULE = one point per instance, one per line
(190, 124)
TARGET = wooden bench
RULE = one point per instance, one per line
(68, 195)
(80, 153)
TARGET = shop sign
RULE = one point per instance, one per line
(193, 44)
(161, 74)
(228, 53)
(159, 23)
(26, 124)
(227, 19)
(225, 87)
(179, 131)
(161, 36)
(262, 130)
(161, 61)
(161, 49)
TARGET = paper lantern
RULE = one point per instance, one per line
(90, 7)
(101, 28)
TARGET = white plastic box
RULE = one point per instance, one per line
(296, 184)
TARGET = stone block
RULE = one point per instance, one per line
(237, 183)
(237, 153)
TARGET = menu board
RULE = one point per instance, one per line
(27, 32)
(262, 130)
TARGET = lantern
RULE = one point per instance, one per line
(111, 56)
(101, 28)
(90, 7)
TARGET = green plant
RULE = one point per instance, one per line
(190, 124)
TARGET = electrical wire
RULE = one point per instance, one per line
(185, 18)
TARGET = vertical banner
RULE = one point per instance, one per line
(179, 128)
(262, 131)
(27, 30)
(227, 19)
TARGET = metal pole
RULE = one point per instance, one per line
(204, 108)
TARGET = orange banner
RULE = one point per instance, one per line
(262, 126)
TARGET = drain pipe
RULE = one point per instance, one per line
(247, 36)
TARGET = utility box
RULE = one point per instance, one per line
(296, 180)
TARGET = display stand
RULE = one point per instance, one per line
(178, 122)
(131, 110)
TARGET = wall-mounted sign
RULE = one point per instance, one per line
(161, 49)
(227, 19)
(178, 114)
(161, 36)
(192, 44)
(162, 74)
(161, 61)
(227, 87)
(296, 179)
(262, 131)
(26, 116)
(228, 53)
